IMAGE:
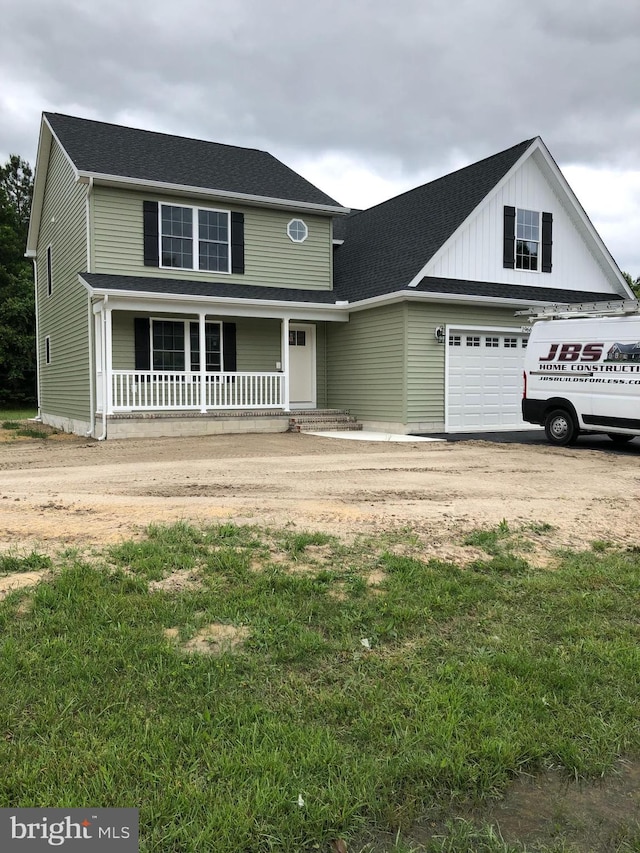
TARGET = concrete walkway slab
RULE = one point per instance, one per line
(363, 435)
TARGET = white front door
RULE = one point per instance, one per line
(302, 366)
(484, 380)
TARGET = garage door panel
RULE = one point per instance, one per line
(484, 381)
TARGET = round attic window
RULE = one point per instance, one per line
(297, 231)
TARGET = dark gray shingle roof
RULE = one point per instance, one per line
(498, 290)
(109, 149)
(387, 245)
(178, 287)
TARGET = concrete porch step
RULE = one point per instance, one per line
(323, 420)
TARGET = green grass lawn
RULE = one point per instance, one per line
(320, 705)
(17, 423)
(17, 414)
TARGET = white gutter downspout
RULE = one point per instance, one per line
(105, 396)
(92, 372)
(38, 397)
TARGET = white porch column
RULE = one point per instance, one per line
(107, 368)
(203, 361)
(285, 363)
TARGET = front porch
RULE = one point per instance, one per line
(169, 364)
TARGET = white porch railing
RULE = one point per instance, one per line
(142, 390)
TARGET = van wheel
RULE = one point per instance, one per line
(619, 438)
(560, 428)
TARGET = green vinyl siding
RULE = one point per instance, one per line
(62, 316)
(366, 364)
(426, 357)
(271, 258)
(321, 366)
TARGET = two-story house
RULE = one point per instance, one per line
(188, 287)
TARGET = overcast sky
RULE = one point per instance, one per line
(366, 98)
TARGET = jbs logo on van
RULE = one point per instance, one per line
(591, 358)
(574, 352)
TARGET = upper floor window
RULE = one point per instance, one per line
(195, 238)
(181, 236)
(297, 231)
(527, 239)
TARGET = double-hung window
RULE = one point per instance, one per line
(176, 344)
(195, 238)
(527, 239)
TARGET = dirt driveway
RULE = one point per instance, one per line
(71, 492)
(68, 491)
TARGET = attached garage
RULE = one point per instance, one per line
(483, 386)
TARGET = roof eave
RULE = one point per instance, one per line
(432, 296)
(183, 189)
(337, 311)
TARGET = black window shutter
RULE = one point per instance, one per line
(229, 347)
(237, 242)
(141, 328)
(547, 241)
(508, 252)
(150, 219)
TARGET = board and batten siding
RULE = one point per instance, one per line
(62, 316)
(271, 258)
(366, 364)
(426, 357)
(476, 253)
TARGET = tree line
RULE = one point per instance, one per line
(17, 304)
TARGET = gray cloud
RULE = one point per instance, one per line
(407, 83)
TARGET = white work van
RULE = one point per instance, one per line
(582, 371)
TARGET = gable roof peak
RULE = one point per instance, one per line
(387, 245)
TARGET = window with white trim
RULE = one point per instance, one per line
(297, 231)
(511, 343)
(492, 342)
(527, 239)
(176, 343)
(455, 341)
(195, 238)
(47, 350)
(473, 341)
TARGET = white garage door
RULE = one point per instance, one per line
(484, 380)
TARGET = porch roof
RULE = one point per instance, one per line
(129, 284)
(527, 293)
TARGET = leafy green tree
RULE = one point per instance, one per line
(634, 283)
(17, 310)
